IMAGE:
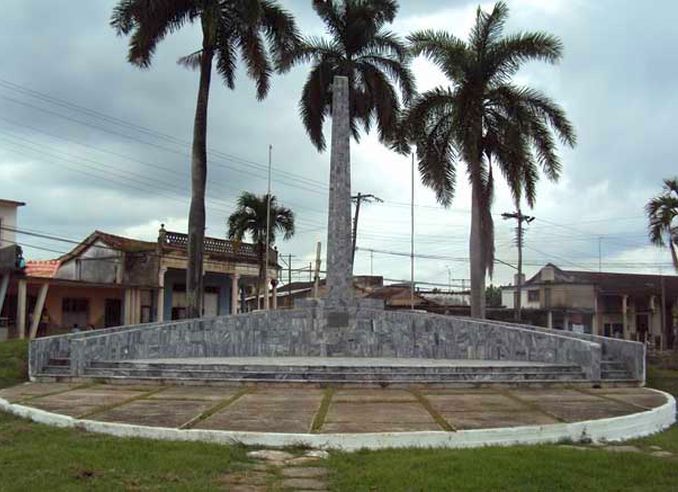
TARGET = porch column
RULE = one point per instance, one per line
(267, 302)
(625, 321)
(128, 307)
(549, 319)
(596, 322)
(234, 293)
(566, 321)
(37, 311)
(4, 285)
(160, 301)
(21, 309)
(275, 294)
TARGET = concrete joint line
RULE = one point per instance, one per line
(106, 408)
(439, 419)
(60, 392)
(321, 414)
(531, 405)
(635, 406)
(220, 405)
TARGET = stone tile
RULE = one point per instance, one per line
(304, 472)
(554, 395)
(372, 395)
(304, 484)
(573, 411)
(156, 413)
(472, 402)
(492, 419)
(268, 411)
(377, 417)
(79, 402)
(209, 393)
(28, 390)
(645, 399)
(270, 455)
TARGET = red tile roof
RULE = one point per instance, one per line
(42, 268)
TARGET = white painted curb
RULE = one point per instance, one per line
(602, 430)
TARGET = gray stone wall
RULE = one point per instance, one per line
(369, 333)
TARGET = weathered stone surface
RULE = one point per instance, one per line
(304, 472)
(622, 449)
(574, 411)
(156, 413)
(317, 453)
(304, 484)
(30, 390)
(210, 393)
(274, 410)
(662, 454)
(377, 417)
(471, 402)
(494, 419)
(82, 401)
(271, 455)
(369, 395)
(339, 248)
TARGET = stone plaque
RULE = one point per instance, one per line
(337, 319)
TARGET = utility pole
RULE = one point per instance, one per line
(517, 297)
(316, 280)
(358, 199)
(289, 269)
(268, 229)
(412, 241)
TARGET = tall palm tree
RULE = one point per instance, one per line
(482, 120)
(259, 32)
(249, 219)
(374, 59)
(661, 212)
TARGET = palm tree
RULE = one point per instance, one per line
(483, 120)
(259, 32)
(374, 59)
(661, 212)
(249, 219)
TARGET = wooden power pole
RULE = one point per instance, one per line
(520, 232)
(358, 199)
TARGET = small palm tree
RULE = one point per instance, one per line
(374, 59)
(259, 32)
(249, 219)
(661, 212)
(483, 121)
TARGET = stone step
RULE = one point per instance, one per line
(366, 376)
(386, 369)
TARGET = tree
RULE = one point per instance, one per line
(493, 296)
(259, 32)
(374, 59)
(661, 212)
(483, 120)
(249, 219)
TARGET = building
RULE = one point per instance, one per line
(8, 221)
(109, 280)
(623, 305)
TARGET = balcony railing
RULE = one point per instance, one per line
(222, 248)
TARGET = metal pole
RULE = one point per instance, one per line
(268, 228)
(289, 270)
(412, 242)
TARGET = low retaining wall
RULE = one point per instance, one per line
(313, 332)
(602, 430)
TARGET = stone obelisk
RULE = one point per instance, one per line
(339, 245)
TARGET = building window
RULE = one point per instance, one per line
(71, 305)
(533, 296)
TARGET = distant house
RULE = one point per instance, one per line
(109, 280)
(623, 305)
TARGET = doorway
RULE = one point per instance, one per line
(113, 312)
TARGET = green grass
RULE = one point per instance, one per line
(13, 362)
(37, 457)
(533, 468)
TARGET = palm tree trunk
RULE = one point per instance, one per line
(196, 217)
(476, 253)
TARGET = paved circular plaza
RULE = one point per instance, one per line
(242, 412)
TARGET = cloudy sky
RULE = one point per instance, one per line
(90, 142)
